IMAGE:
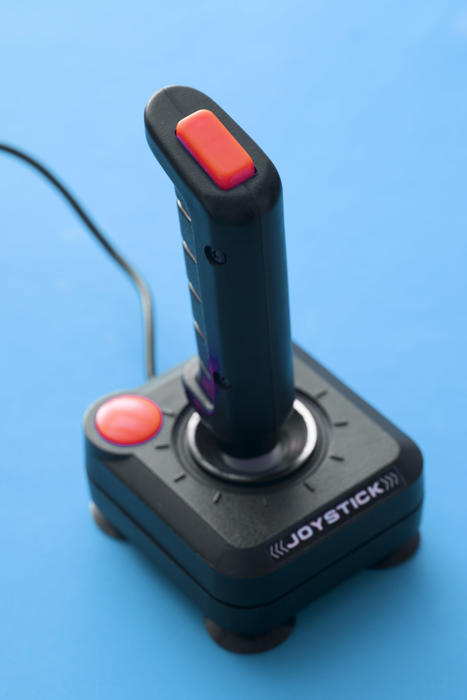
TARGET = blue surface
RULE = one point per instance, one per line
(363, 108)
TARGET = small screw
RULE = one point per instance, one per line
(215, 256)
(222, 382)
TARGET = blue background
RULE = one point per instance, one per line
(363, 108)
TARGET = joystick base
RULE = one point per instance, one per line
(251, 555)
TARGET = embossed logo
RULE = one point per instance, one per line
(337, 514)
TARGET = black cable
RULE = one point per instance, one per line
(140, 284)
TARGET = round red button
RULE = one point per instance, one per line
(128, 420)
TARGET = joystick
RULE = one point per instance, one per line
(252, 476)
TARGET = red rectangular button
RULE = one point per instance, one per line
(215, 149)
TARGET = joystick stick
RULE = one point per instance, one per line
(251, 475)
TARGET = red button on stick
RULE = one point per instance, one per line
(215, 149)
(128, 420)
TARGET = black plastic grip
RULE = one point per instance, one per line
(234, 245)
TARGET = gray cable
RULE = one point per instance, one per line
(140, 284)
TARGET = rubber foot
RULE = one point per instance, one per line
(103, 523)
(401, 555)
(249, 644)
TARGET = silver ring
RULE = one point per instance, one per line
(281, 460)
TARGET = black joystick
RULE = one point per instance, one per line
(232, 226)
(251, 475)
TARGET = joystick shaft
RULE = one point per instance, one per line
(229, 198)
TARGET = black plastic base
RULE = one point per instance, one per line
(400, 555)
(104, 523)
(246, 643)
(251, 556)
